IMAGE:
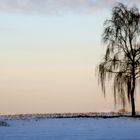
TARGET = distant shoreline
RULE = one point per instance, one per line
(69, 115)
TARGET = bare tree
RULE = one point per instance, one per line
(121, 62)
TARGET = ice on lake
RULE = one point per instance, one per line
(72, 129)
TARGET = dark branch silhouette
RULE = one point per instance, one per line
(121, 63)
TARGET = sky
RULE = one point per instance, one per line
(49, 50)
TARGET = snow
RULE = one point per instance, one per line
(123, 128)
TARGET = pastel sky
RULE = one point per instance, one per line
(49, 50)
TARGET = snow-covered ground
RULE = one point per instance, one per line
(72, 129)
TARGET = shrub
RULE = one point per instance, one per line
(3, 123)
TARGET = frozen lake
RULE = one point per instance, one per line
(72, 129)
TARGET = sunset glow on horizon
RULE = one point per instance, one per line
(48, 55)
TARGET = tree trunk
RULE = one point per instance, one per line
(132, 95)
(133, 104)
(133, 90)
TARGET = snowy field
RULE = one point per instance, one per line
(72, 129)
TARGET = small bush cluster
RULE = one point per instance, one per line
(3, 123)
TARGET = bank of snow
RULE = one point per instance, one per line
(72, 129)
